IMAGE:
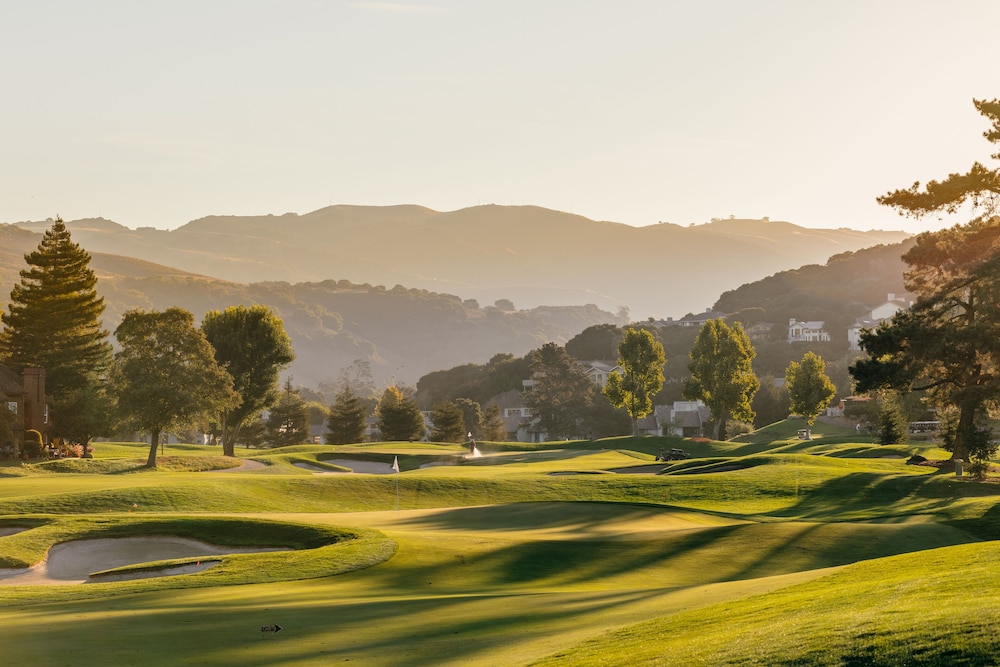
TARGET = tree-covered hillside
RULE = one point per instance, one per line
(838, 292)
(404, 333)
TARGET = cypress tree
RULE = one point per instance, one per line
(53, 322)
(346, 422)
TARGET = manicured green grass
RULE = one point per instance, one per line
(765, 550)
(936, 607)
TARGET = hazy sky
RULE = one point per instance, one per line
(636, 111)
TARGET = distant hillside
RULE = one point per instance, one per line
(531, 255)
(404, 333)
(844, 288)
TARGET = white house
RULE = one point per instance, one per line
(808, 332)
(599, 371)
(875, 316)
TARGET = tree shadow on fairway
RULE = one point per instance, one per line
(546, 515)
(866, 495)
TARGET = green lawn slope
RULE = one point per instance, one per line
(764, 550)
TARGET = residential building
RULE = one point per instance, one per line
(892, 305)
(23, 393)
(807, 332)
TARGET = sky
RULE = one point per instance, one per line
(634, 111)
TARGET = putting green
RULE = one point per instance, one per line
(455, 578)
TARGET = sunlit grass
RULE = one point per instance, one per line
(534, 550)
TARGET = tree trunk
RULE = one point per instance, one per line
(154, 443)
(966, 424)
(229, 436)
(635, 427)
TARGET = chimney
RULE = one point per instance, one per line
(35, 413)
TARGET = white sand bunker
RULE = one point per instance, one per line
(74, 562)
(368, 467)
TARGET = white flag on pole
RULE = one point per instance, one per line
(395, 463)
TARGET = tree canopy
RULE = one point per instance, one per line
(721, 372)
(809, 388)
(641, 359)
(346, 423)
(165, 374)
(287, 421)
(398, 416)
(948, 342)
(448, 423)
(53, 322)
(561, 392)
(251, 345)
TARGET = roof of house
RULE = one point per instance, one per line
(11, 383)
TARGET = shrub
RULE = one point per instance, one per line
(33, 444)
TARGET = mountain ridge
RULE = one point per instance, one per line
(529, 254)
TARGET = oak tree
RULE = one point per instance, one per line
(165, 374)
(722, 375)
(641, 359)
(251, 344)
(809, 388)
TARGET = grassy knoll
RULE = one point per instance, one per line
(765, 550)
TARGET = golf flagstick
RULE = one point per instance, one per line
(395, 466)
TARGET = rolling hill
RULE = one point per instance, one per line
(531, 255)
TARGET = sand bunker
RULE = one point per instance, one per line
(368, 467)
(74, 562)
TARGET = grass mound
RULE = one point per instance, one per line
(304, 551)
(898, 610)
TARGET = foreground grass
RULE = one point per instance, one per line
(770, 550)
(905, 610)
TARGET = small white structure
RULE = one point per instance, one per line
(808, 332)
(876, 316)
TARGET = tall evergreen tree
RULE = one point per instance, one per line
(398, 416)
(494, 430)
(346, 423)
(721, 372)
(449, 423)
(947, 343)
(53, 322)
(288, 420)
(472, 415)
(561, 393)
(251, 344)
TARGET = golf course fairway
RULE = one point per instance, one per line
(761, 552)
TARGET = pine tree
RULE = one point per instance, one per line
(449, 423)
(398, 416)
(494, 430)
(346, 422)
(53, 322)
(288, 421)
